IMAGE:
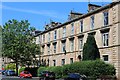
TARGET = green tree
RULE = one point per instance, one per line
(90, 49)
(18, 42)
(10, 66)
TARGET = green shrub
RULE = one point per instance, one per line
(102, 68)
(58, 71)
(21, 69)
(66, 69)
(40, 69)
(94, 69)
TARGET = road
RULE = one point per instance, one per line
(18, 78)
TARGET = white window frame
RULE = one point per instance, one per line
(92, 18)
(48, 36)
(72, 45)
(80, 41)
(63, 46)
(55, 34)
(104, 57)
(48, 49)
(63, 62)
(72, 28)
(81, 26)
(55, 47)
(43, 38)
(64, 32)
(71, 60)
(106, 18)
(54, 62)
(105, 39)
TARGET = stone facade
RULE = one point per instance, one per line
(63, 44)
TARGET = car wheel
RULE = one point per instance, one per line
(5, 74)
(22, 76)
(41, 79)
(44, 78)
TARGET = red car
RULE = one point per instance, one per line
(25, 74)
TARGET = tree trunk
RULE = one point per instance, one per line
(16, 68)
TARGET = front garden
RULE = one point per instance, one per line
(96, 69)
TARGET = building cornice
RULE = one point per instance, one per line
(109, 46)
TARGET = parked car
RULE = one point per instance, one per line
(25, 74)
(3, 72)
(73, 76)
(47, 75)
(10, 73)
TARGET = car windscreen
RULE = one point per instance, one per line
(72, 75)
(12, 71)
(26, 72)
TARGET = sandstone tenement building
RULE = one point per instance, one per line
(63, 43)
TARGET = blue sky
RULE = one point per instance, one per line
(39, 13)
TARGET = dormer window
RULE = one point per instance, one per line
(92, 7)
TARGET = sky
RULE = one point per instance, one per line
(40, 13)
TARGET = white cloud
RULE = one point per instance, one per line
(48, 13)
(27, 11)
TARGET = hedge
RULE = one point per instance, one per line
(57, 70)
(40, 69)
(94, 68)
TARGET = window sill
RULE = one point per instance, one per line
(106, 61)
(71, 51)
(105, 46)
(81, 49)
